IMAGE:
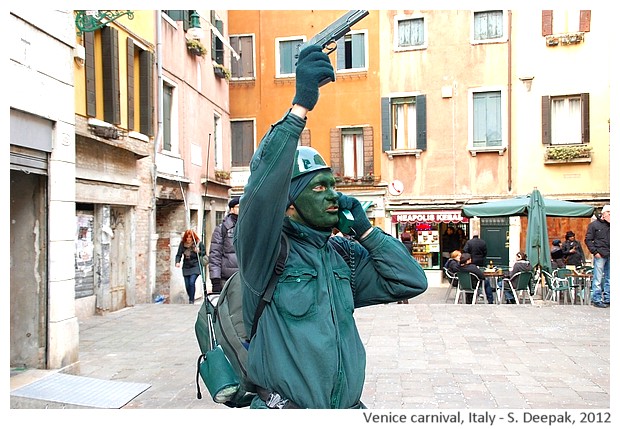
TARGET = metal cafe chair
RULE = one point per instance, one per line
(468, 283)
(453, 282)
(556, 287)
(565, 275)
(519, 283)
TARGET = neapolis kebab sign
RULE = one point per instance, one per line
(446, 216)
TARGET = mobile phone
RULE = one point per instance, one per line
(345, 221)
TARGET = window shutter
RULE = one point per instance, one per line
(420, 109)
(547, 22)
(585, 118)
(584, 20)
(357, 51)
(369, 152)
(340, 54)
(146, 93)
(130, 84)
(89, 66)
(235, 64)
(111, 85)
(546, 119)
(335, 143)
(219, 45)
(246, 53)
(386, 124)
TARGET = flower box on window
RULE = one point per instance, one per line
(569, 153)
(196, 48)
(221, 71)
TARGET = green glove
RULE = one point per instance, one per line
(313, 67)
(361, 224)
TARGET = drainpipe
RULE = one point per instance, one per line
(158, 137)
(509, 101)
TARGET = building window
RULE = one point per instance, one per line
(353, 152)
(351, 53)
(566, 119)
(170, 118)
(286, 56)
(244, 66)
(487, 119)
(565, 21)
(488, 25)
(217, 142)
(404, 123)
(411, 33)
(242, 135)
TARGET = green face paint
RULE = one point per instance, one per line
(318, 202)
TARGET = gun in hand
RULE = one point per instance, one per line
(328, 37)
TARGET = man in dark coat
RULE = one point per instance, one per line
(222, 256)
(572, 250)
(468, 265)
(597, 240)
(477, 248)
(557, 255)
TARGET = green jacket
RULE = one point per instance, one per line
(307, 347)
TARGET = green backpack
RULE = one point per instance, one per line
(224, 342)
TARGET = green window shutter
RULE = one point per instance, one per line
(420, 109)
(585, 118)
(89, 66)
(546, 119)
(111, 81)
(386, 124)
(130, 84)
(146, 93)
(219, 45)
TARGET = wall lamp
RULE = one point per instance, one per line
(91, 20)
(194, 32)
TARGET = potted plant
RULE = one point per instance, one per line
(221, 71)
(567, 153)
(195, 47)
(222, 175)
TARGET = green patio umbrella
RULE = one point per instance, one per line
(537, 209)
(519, 205)
(537, 238)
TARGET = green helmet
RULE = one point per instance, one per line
(307, 159)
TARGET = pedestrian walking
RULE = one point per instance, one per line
(190, 250)
(597, 240)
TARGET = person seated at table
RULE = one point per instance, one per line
(453, 264)
(557, 255)
(521, 264)
(466, 264)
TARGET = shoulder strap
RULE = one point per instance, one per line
(223, 230)
(271, 287)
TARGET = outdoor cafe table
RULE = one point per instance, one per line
(495, 276)
(585, 281)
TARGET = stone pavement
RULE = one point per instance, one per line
(425, 355)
